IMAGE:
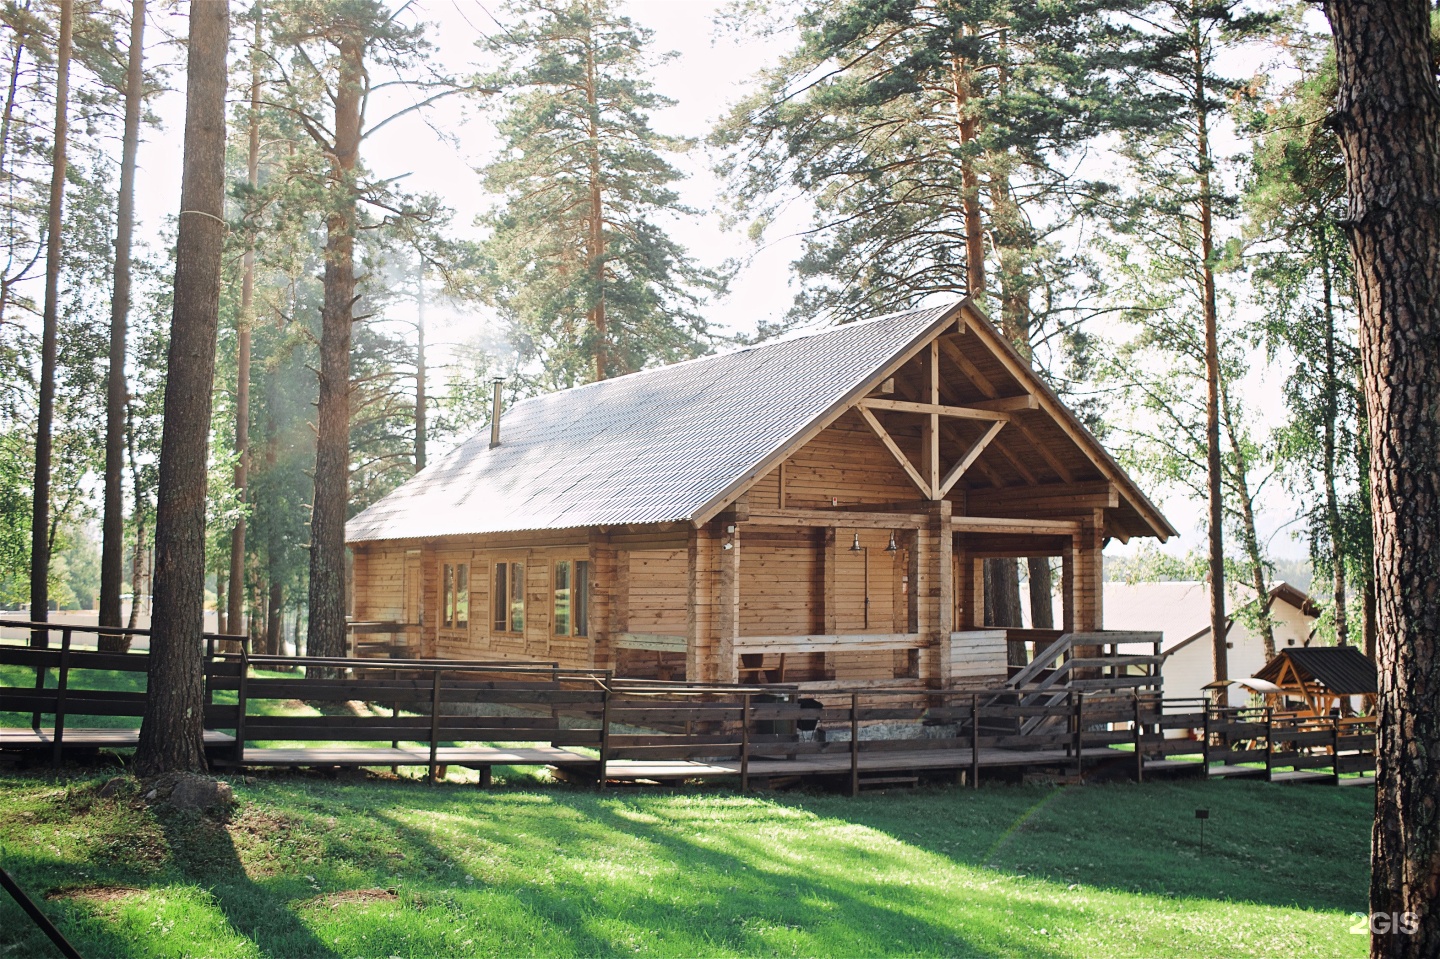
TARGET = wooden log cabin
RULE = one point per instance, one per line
(812, 510)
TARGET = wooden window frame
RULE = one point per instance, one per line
(454, 571)
(504, 627)
(578, 599)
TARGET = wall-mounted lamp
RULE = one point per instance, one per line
(855, 547)
(891, 547)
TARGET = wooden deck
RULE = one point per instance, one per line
(839, 764)
(81, 738)
(467, 756)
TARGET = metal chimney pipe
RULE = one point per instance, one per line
(497, 381)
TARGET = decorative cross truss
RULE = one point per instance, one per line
(930, 477)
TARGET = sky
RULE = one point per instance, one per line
(709, 71)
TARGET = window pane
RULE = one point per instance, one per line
(462, 596)
(500, 594)
(580, 595)
(517, 597)
(447, 603)
(562, 598)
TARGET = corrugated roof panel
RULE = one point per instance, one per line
(655, 446)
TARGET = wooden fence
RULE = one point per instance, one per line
(425, 712)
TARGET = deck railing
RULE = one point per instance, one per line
(633, 728)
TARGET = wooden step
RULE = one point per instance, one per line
(889, 781)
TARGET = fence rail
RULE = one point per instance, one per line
(427, 711)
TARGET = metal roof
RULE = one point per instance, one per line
(1343, 670)
(652, 447)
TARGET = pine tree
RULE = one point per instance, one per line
(116, 394)
(1174, 161)
(40, 519)
(336, 49)
(584, 272)
(1295, 202)
(1387, 117)
(933, 141)
(171, 732)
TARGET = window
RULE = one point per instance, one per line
(517, 597)
(447, 591)
(562, 598)
(455, 596)
(499, 593)
(462, 596)
(509, 598)
(580, 599)
(572, 596)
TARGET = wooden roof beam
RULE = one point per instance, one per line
(964, 463)
(936, 409)
(1008, 404)
(896, 452)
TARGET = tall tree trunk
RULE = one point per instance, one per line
(7, 120)
(1240, 480)
(1002, 596)
(1042, 591)
(112, 546)
(222, 609)
(242, 349)
(1213, 466)
(421, 437)
(171, 737)
(137, 559)
(40, 540)
(1332, 413)
(1387, 115)
(273, 616)
(326, 635)
(595, 241)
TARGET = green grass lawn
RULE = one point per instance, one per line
(309, 867)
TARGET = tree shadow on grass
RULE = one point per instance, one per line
(204, 852)
(1278, 845)
(620, 884)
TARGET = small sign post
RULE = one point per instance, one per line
(1202, 815)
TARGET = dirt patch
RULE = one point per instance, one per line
(349, 897)
(95, 893)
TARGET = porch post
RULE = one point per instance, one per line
(700, 579)
(945, 591)
(600, 603)
(726, 667)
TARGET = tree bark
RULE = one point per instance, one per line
(171, 734)
(421, 427)
(1332, 413)
(273, 613)
(1250, 536)
(40, 506)
(222, 608)
(112, 547)
(1387, 116)
(326, 635)
(1042, 603)
(595, 241)
(138, 561)
(242, 379)
(1213, 466)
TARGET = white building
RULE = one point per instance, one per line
(1182, 612)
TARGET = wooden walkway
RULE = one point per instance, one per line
(81, 738)
(926, 760)
(467, 756)
(593, 726)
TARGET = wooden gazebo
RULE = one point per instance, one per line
(1318, 681)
